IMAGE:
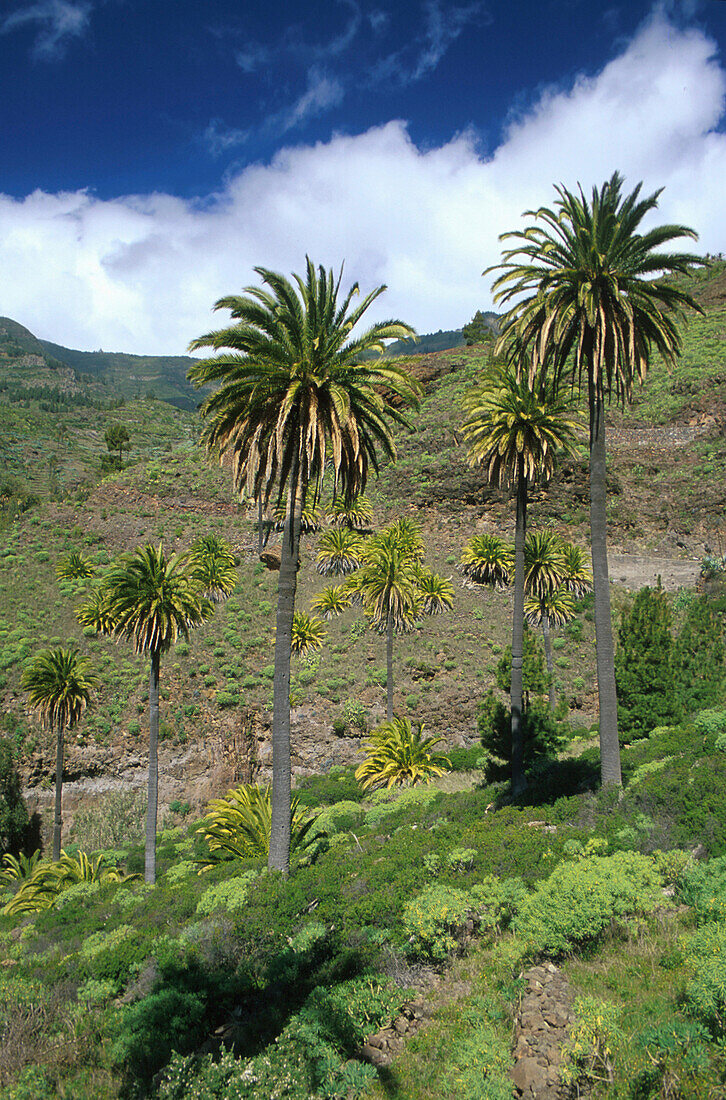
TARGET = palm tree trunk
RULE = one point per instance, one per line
(152, 801)
(389, 668)
(279, 855)
(519, 781)
(548, 658)
(609, 743)
(260, 544)
(57, 817)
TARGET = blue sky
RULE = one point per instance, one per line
(154, 151)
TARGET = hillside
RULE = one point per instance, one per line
(666, 511)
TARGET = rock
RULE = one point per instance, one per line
(272, 556)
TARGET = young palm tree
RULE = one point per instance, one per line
(355, 514)
(59, 686)
(339, 552)
(308, 633)
(578, 575)
(395, 589)
(544, 573)
(331, 601)
(516, 430)
(586, 304)
(213, 567)
(488, 560)
(292, 394)
(152, 600)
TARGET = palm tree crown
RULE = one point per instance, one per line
(153, 600)
(512, 425)
(59, 686)
(581, 279)
(293, 391)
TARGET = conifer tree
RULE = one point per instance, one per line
(644, 668)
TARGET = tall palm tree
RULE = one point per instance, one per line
(59, 686)
(515, 430)
(586, 305)
(152, 601)
(292, 394)
(395, 589)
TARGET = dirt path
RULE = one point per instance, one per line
(636, 571)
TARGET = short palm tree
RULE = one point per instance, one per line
(355, 514)
(308, 633)
(395, 589)
(331, 601)
(95, 613)
(488, 560)
(577, 577)
(238, 825)
(339, 552)
(74, 567)
(585, 304)
(213, 567)
(59, 687)
(397, 753)
(152, 601)
(516, 430)
(293, 392)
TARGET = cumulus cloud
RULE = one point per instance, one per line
(58, 22)
(140, 273)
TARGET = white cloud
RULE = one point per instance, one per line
(322, 93)
(442, 26)
(58, 20)
(141, 273)
(220, 139)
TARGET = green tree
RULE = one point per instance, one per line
(516, 430)
(117, 436)
(395, 589)
(584, 303)
(152, 601)
(544, 573)
(13, 812)
(644, 671)
(698, 657)
(59, 687)
(479, 329)
(293, 393)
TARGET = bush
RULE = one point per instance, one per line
(544, 736)
(109, 956)
(430, 919)
(703, 886)
(230, 894)
(580, 901)
(705, 993)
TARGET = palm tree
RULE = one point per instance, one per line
(395, 589)
(151, 600)
(516, 430)
(544, 572)
(292, 395)
(339, 552)
(308, 633)
(586, 305)
(59, 686)
(331, 601)
(488, 560)
(578, 575)
(213, 567)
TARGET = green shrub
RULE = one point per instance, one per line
(230, 895)
(415, 797)
(644, 672)
(703, 886)
(430, 919)
(705, 993)
(479, 1063)
(109, 956)
(580, 901)
(586, 1056)
(712, 723)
